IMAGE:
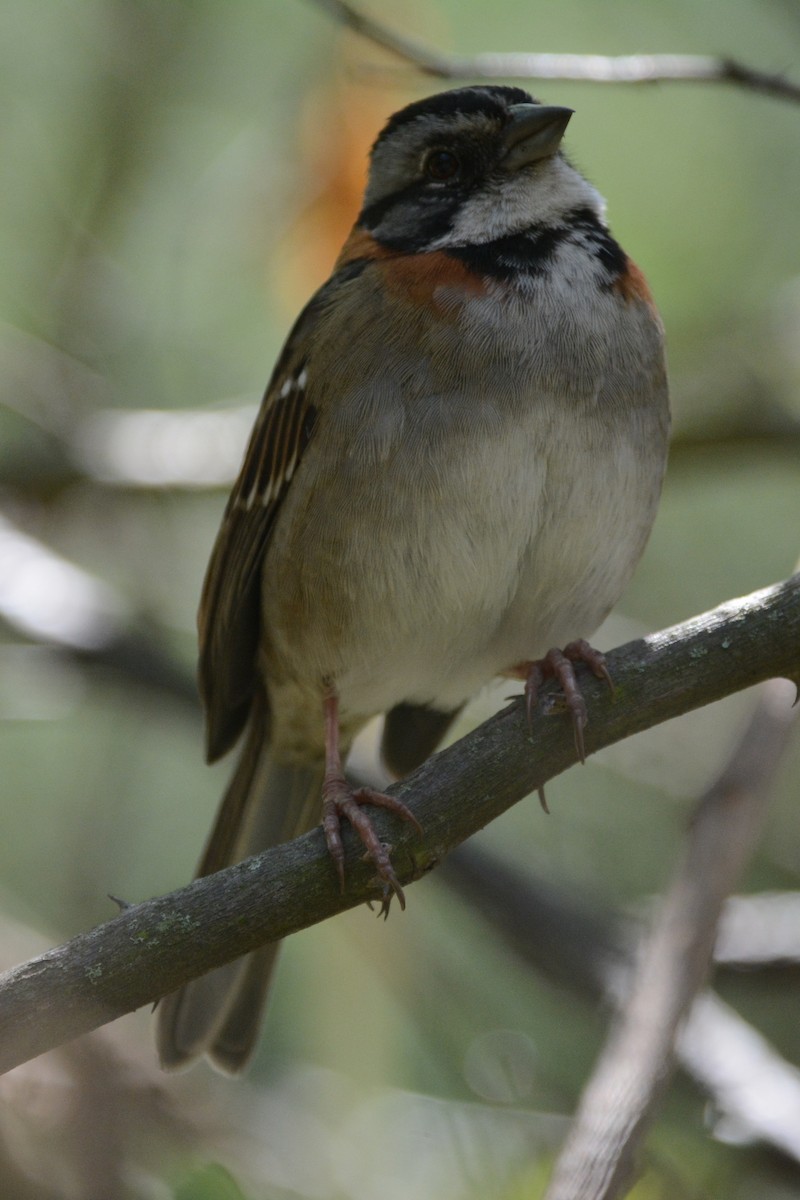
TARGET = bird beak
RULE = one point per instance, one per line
(535, 132)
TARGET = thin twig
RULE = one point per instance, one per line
(584, 947)
(150, 949)
(585, 68)
(619, 1101)
(431, 62)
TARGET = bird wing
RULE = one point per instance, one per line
(230, 606)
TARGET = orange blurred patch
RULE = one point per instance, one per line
(338, 124)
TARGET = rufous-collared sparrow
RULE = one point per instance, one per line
(456, 466)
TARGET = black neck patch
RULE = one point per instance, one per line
(528, 253)
(594, 235)
(532, 252)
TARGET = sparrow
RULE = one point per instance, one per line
(454, 470)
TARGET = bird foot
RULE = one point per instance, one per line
(559, 665)
(340, 800)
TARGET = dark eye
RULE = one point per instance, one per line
(442, 165)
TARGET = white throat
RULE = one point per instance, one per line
(513, 204)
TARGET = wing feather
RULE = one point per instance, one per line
(230, 606)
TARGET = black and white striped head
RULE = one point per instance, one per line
(470, 166)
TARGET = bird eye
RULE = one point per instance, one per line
(442, 165)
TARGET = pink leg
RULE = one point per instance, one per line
(558, 665)
(339, 800)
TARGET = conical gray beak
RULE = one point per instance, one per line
(535, 132)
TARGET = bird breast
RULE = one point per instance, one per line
(442, 534)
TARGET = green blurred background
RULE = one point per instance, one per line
(177, 177)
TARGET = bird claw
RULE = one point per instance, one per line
(560, 665)
(339, 801)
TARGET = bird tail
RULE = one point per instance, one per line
(220, 1014)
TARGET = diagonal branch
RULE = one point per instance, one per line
(587, 68)
(152, 948)
(617, 1107)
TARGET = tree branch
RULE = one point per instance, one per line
(618, 1104)
(587, 949)
(152, 948)
(587, 68)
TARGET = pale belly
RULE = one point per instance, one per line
(467, 565)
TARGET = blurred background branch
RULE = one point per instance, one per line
(584, 68)
(571, 941)
(75, 616)
(617, 1106)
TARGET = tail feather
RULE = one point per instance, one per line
(236, 1038)
(220, 1014)
(411, 733)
